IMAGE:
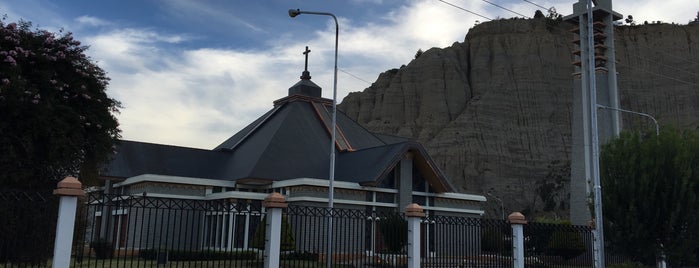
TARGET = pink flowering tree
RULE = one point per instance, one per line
(55, 120)
(55, 116)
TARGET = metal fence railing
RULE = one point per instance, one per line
(458, 241)
(27, 227)
(148, 231)
(558, 245)
(143, 231)
(360, 237)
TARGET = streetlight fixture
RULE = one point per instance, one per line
(657, 127)
(331, 178)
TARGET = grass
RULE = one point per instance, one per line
(127, 262)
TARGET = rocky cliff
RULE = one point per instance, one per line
(494, 111)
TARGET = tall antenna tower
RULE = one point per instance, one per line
(595, 75)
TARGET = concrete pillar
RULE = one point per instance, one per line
(405, 181)
(517, 220)
(414, 214)
(68, 189)
(274, 203)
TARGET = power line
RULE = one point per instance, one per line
(665, 65)
(644, 58)
(535, 4)
(622, 33)
(662, 52)
(355, 77)
(660, 75)
(505, 8)
(561, 28)
(469, 11)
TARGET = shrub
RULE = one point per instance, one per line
(566, 243)
(297, 255)
(288, 241)
(493, 240)
(103, 248)
(395, 233)
(199, 255)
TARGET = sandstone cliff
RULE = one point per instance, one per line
(495, 110)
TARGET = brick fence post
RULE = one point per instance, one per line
(414, 213)
(274, 203)
(68, 189)
(517, 220)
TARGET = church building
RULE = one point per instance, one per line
(287, 150)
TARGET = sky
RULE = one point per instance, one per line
(194, 72)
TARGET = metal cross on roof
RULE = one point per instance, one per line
(306, 53)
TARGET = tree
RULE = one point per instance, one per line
(418, 53)
(629, 20)
(651, 195)
(55, 120)
(538, 14)
(55, 116)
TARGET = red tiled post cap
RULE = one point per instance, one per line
(516, 218)
(69, 186)
(414, 210)
(275, 200)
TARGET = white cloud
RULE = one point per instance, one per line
(91, 21)
(199, 97)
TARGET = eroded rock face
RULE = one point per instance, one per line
(494, 111)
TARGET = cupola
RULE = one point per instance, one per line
(306, 87)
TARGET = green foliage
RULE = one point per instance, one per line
(418, 53)
(650, 194)
(103, 248)
(566, 243)
(55, 116)
(493, 240)
(297, 255)
(394, 230)
(626, 265)
(550, 220)
(553, 19)
(538, 14)
(55, 119)
(25, 226)
(199, 255)
(288, 241)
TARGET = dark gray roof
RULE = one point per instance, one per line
(290, 141)
(136, 158)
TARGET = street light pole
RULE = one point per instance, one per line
(657, 127)
(597, 185)
(331, 178)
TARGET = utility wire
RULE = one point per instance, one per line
(637, 55)
(469, 11)
(621, 33)
(666, 65)
(355, 77)
(547, 8)
(506, 8)
(662, 52)
(660, 75)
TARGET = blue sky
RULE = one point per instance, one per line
(192, 73)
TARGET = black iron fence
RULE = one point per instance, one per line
(27, 228)
(360, 237)
(557, 245)
(458, 241)
(149, 231)
(145, 231)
